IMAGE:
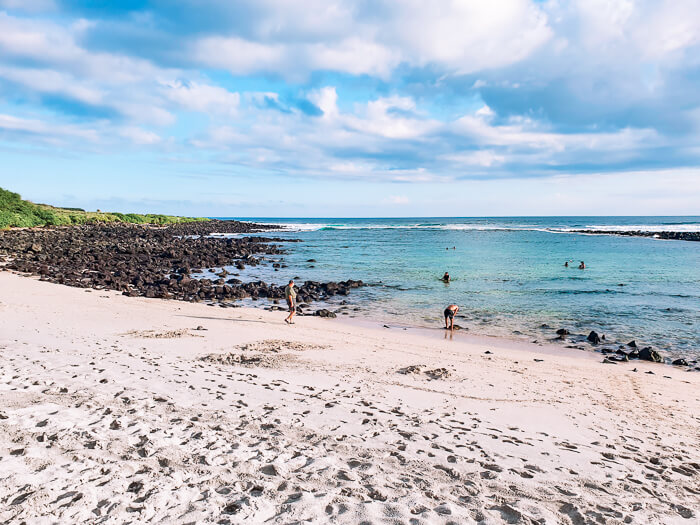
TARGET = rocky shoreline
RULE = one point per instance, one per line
(160, 262)
(615, 352)
(673, 236)
(154, 262)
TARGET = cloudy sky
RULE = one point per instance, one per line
(353, 108)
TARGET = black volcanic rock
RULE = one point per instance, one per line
(678, 236)
(593, 338)
(648, 354)
(154, 262)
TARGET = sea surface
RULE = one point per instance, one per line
(508, 274)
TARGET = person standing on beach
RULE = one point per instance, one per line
(291, 296)
(450, 312)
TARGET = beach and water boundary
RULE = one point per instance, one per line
(508, 275)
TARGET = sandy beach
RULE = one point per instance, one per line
(134, 410)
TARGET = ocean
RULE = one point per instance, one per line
(508, 274)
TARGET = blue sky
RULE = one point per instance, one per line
(353, 108)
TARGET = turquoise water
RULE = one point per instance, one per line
(508, 274)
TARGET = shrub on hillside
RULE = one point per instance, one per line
(18, 213)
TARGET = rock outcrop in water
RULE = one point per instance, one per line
(676, 236)
(154, 262)
(593, 338)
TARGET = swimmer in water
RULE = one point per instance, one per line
(582, 266)
(446, 278)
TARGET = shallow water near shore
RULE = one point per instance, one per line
(508, 274)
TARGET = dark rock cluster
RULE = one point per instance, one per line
(623, 352)
(676, 236)
(309, 291)
(645, 354)
(154, 262)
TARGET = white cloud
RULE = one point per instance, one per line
(640, 29)
(485, 112)
(326, 99)
(140, 136)
(482, 158)
(391, 138)
(468, 36)
(603, 21)
(393, 118)
(296, 60)
(205, 98)
(36, 39)
(48, 131)
(354, 56)
(527, 133)
(52, 82)
(458, 35)
(61, 67)
(140, 111)
(238, 55)
(668, 27)
(55, 46)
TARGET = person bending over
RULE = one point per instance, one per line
(450, 312)
(291, 296)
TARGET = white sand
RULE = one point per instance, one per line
(108, 415)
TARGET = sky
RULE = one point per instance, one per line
(366, 108)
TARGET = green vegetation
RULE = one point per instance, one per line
(18, 213)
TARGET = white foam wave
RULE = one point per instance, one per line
(312, 226)
(297, 227)
(466, 227)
